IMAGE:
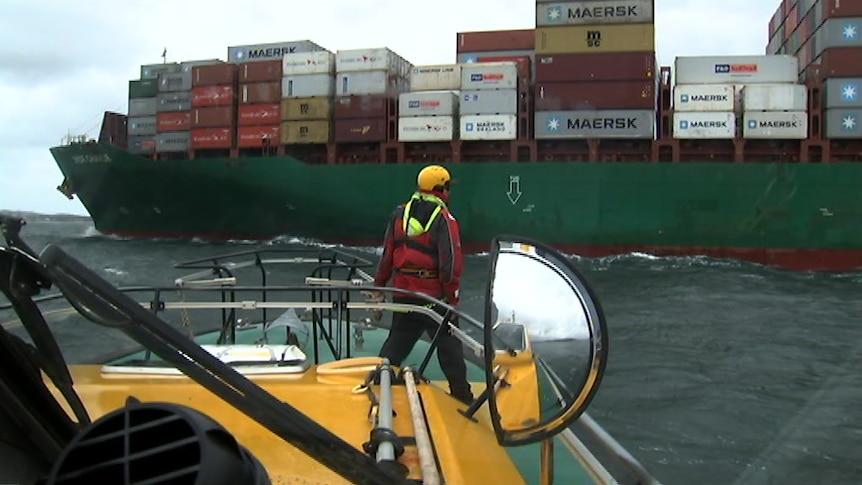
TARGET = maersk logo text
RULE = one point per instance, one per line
(754, 124)
(265, 53)
(602, 124)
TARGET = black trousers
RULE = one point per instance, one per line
(407, 328)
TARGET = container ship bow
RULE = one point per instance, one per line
(570, 132)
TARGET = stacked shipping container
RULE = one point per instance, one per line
(213, 107)
(173, 108)
(144, 107)
(259, 111)
(489, 100)
(307, 91)
(432, 101)
(595, 69)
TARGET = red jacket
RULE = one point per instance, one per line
(438, 249)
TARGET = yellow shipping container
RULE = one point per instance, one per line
(306, 109)
(584, 39)
(312, 131)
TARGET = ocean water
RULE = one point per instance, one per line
(719, 372)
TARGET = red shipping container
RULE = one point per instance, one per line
(369, 106)
(173, 121)
(259, 114)
(523, 63)
(496, 40)
(846, 8)
(791, 21)
(255, 136)
(253, 72)
(214, 74)
(213, 117)
(595, 95)
(622, 66)
(213, 96)
(211, 138)
(841, 62)
(359, 130)
(266, 92)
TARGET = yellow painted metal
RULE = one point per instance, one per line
(582, 39)
(518, 402)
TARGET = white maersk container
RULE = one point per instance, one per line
(781, 125)
(703, 97)
(704, 125)
(428, 103)
(489, 127)
(736, 69)
(435, 78)
(426, 128)
(318, 62)
(307, 86)
(382, 59)
(775, 97)
(489, 75)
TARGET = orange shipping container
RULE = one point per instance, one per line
(252, 72)
(259, 114)
(496, 40)
(202, 138)
(267, 92)
(213, 74)
(213, 117)
(213, 96)
(258, 136)
(173, 121)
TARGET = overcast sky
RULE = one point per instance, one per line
(64, 62)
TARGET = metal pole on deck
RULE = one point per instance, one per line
(386, 450)
(430, 475)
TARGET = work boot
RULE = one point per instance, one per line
(463, 395)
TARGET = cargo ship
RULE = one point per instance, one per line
(570, 132)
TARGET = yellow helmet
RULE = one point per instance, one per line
(433, 177)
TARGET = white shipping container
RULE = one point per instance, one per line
(368, 82)
(435, 78)
(426, 128)
(489, 75)
(703, 97)
(783, 125)
(382, 59)
(489, 101)
(428, 103)
(775, 97)
(308, 86)
(736, 69)
(489, 127)
(704, 125)
(319, 62)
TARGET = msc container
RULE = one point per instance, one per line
(596, 95)
(363, 106)
(188, 66)
(489, 102)
(213, 75)
(306, 109)
(175, 141)
(595, 124)
(775, 97)
(146, 88)
(258, 136)
(428, 103)
(489, 127)
(704, 97)
(838, 32)
(736, 69)
(318, 62)
(213, 117)
(307, 86)
(490, 75)
(263, 92)
(142, 125)
(143, 106)
(843, 123)
(213, 96)
(496, 40)
(781, 125)
(579, 39)
(704, 125)
(382, 59)
(254, 72)
(152, 71)
(435, 78)
(361, 83)
(595, 12)
(268, 52)
(306, 131)
(175, 81)
(360, 130)
(178, 101)
(426, 128)
(617, 66)
(844, 92)
(259, 114)
(205, 138)
(173, 121)
(142, 145)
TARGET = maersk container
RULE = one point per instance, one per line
(435, 78)
(143, 106)
(774, 97)
(595, 12)
(173, 141)
(580, 124)
(318, 62)
(844, 92)
(142, 125)
(428, 103)
(175, 81)
(382, 59)
(489, 102)
(361, 83)
(838, 32)
(426, 128)
(703, 97)
(142, 145)
(489, 127)
(704, 125)
(268, 52)
(775, 125)
(736, 69)
(152, 71)
(307, 86)
(844, 123)
(144, 88)
(178, 101)
(489, 75)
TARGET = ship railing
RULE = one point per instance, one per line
(75, 139)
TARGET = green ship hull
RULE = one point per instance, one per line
(796, 216)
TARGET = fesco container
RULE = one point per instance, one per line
(736, 69)
(428, 103)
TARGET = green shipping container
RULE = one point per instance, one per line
(143, 88)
